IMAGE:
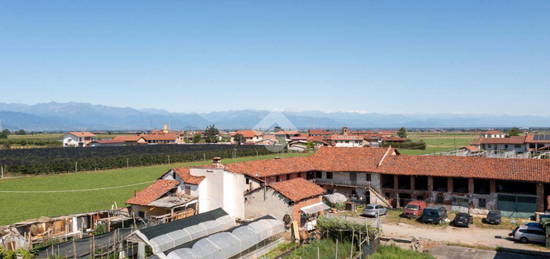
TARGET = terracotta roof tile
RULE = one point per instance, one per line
(297, 189)
(82, 133)
(248, 133)
(537, 170)
(510, 140)
(185, 175)
(152, 192)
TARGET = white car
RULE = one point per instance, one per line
(374, 209)
(530, 232)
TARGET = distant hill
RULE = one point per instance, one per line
(83, 116)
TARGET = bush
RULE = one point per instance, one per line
(342, 230)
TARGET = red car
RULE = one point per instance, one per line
(414, 209)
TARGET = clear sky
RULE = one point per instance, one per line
(196, 56)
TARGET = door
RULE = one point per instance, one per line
(353, 178)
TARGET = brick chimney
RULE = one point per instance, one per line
(217, 162)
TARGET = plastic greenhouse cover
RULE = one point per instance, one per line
(162, 243)
(247, 236)
(204, 248)
(182, 253)
(229, 244)
(180, 237)
(197, 231)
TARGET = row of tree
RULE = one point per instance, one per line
(57, 160)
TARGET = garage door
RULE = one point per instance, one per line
(516, 205)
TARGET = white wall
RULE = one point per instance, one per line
(70, 140)
(221, 189)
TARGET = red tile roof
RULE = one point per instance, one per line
(82, 134)
(248, 133)
(297, 189)
(387, 161)
(272, 167)
(394, 139)
(166, 137)
(510, 140)
(126, 138)
(319, 132)
(349, 159)
(152, 192)
(287, 132)
(185, 175)
(537, 170)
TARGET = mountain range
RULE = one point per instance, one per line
(55, 116)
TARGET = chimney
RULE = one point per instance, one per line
(217, 162)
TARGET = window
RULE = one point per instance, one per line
(329, 175)
(482, 203)
(368, 178)
(247, 180)
(319, 174)
(187, 189)
(505, 146)
(518, 146)
(277, 178)
(141, 214)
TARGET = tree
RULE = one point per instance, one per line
(197, 138)
(277, 129)
(21, 132)
(211, 134)
(4, 134)
(239, 139)
(514, 132)
(402, 133)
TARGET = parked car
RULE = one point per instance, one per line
(374, 209)
(434, 215)
(414, 209)
(530, 232)
(493, 217)
(462, 220)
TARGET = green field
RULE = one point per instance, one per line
(439, 142)
(18, 206)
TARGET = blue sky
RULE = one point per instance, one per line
(198, 56)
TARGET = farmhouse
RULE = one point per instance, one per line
(516, 186)
(78, 139)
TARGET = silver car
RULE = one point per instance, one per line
(374, 209)
(530, 232)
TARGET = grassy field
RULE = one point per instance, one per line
(439, 142)
(24, 204)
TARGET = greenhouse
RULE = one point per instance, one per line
(164, 237)
(234, 242)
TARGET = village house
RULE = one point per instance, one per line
(346, 141)
(297, 199)
(250, 136)
(78, 139)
